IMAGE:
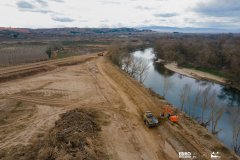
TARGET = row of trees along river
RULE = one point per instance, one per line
(214, 106)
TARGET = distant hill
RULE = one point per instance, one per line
(188, 29)
(14, 30)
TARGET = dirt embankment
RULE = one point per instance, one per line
(20, 71)
(196, 74)
(90, 95)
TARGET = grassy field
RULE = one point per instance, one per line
(215, 73)
(66, 43)
(67, 55)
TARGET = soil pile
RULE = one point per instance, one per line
(75, 136)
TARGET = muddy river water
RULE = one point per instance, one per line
(225, 94)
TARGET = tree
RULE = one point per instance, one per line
(205, 102)
(188, 98)
(183, 95)
(168, 84)
(216, 111)
(127, 62)
(49, 52)
(234, 120)
(197, 98)
(134, 67)
(143, 69)
(115, 50)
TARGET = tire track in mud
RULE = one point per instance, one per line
(140, 141)
(136, 92)
(34, 100)
(100, 94)
(42, 64)
(11, 73)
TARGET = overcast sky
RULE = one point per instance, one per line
(223, 14)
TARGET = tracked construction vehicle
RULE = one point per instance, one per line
(170, 116)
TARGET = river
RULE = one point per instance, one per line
(225, 94)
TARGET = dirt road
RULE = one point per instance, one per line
(31, 105)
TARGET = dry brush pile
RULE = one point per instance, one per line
(74, 137)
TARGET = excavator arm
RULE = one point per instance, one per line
(168, 109)
(171, 117)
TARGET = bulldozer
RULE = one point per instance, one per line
(100, 54)
(170, 116)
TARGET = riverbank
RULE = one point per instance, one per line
(199, 75)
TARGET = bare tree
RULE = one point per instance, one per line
(143, 69)
(205, 102)
(184, 92)
(116, 53)
(188, 98)
(216, 111)
(234, 120)
(168, 84)
(197, 98)
(134, 67)
(127, 62)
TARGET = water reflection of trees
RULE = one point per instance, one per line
(180, 76)
(231, 95)
(161, 69)
(204, 83)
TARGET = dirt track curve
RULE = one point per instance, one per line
(92, 82)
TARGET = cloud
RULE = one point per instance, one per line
(215, 24)
(43, 3)
(147, 21)
(218, 8)
(105, 20)
(39, 11)
(60, 1)
(110, 2)
(166, 15)
(103, 26)
(83, 21)
(62, 19)
(24, 4)
(143, 8)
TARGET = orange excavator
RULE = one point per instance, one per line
(171, 117)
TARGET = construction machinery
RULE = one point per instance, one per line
(150, 119)
(100, 54)
(170, 116)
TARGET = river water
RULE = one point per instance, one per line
(225, 94)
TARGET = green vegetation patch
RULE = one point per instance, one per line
(67, 55)
(188, 66)
(215, 73)
(66, 43)
(15, 110)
